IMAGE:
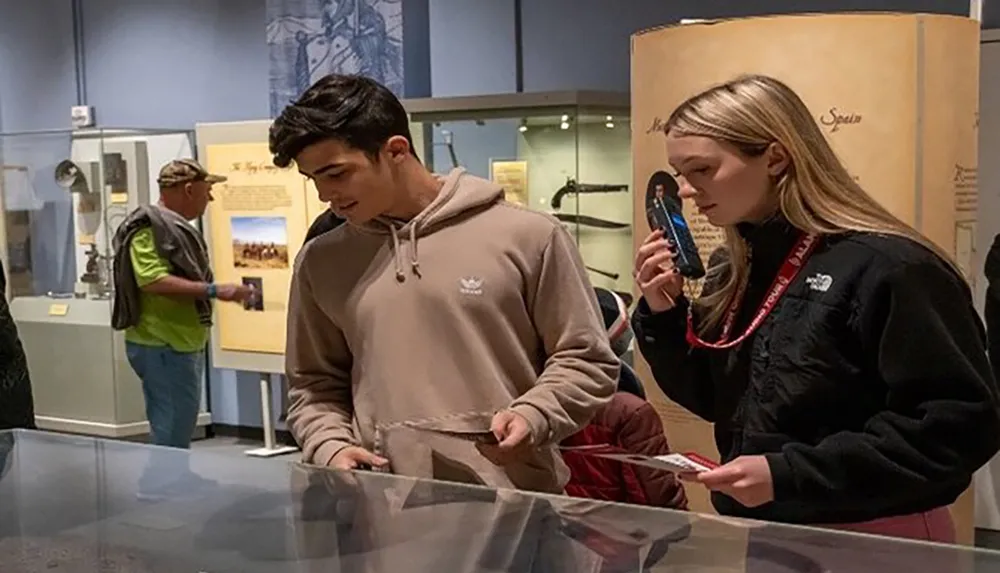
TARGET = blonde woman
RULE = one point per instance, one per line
(835, 349)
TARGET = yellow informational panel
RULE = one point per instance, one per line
(258, 222)
(513, 177)
(897, 96)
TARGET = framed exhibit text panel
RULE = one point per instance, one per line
(254, 229)
(258, 221)
(900, 109)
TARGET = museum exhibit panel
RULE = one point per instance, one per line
(901, 110)
(70, 506)
(64, 194)
(561, 153)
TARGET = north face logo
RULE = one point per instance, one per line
(820, 282)
(470, 286)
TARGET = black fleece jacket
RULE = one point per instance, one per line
(867, 388)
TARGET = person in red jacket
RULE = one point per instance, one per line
(628, 423)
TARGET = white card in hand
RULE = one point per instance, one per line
(677, 463)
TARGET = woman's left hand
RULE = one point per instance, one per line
(747, 479)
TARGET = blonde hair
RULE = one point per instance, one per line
(816, 193)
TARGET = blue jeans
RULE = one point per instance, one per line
(171, 385)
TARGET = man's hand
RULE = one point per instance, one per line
(747, 479)
(514, 436)
(353, 457)
(234, 292)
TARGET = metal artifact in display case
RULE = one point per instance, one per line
(65, 192)
(562, 153)
(70, 505)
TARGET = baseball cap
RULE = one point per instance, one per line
(185, 170)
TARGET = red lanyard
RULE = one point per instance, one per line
(794, 262)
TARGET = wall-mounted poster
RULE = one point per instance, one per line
(258, 222)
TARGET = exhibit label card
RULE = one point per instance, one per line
(513, 177)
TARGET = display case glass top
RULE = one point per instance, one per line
(72, 505)
(562, 153)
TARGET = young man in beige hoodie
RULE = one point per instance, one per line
(443, 332)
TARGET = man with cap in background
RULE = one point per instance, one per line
(163, 300)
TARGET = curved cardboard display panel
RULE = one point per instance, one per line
(897, 96)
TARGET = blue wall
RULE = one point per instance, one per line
(37, 83)
(584, 44)
(472, 47)
(172, 63)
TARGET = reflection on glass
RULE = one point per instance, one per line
(71, 504)
(36, 207)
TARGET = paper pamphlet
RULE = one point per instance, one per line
(485, 437)
(677, 462)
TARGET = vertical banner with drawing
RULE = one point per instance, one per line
(899, 112)
(258, 222)
(309, 39)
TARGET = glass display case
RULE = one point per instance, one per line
(73, 505)
(64, 193)
(562, 153)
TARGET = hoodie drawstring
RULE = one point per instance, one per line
(397, 255)
(414, 260)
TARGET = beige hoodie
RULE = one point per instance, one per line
(401, 337)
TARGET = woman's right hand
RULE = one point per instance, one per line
(655, 273)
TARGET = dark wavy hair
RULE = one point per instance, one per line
(353, 109)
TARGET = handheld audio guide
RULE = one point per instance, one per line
(663, 211)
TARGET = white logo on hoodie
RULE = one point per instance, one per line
(470, 285)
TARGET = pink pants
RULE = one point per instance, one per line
(934, 525)
(804, 551)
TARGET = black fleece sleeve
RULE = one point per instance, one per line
(941, 420)
(679, 370)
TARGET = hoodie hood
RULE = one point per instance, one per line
(460, 193)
